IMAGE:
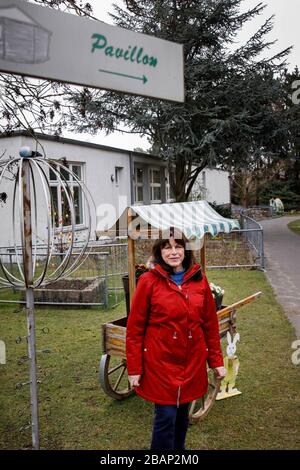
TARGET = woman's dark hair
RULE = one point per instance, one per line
(189, 258)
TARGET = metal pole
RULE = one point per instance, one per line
(11, 265)
(28, 273)
(262, 250)
(105, 282)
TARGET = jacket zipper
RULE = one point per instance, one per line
(174, 336)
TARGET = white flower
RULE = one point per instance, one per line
(217, 291)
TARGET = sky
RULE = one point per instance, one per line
(285, 31)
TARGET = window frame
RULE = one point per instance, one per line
(138, 185)
(118, 174)
(153, 185)
(73, 183)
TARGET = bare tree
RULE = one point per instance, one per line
(38, 105)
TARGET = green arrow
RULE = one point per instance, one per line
(143, 78)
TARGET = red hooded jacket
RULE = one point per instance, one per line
(171, 332)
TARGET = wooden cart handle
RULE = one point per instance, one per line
(224, 312)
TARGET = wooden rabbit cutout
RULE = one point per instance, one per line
(231, 362)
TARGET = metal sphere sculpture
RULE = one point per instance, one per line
(31, 192)
(33, 218)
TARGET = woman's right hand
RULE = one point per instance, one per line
(220, 372)
(134, 380)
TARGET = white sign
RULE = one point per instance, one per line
(40, 42)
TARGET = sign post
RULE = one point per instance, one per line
(41, 42)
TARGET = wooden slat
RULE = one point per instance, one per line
(224, 327)
(117, 340)
(116, 352)
(112, 345)
(117, 329)
(115, 333)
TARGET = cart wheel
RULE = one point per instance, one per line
(113, 377)
(201, 407)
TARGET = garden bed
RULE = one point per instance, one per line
(88, 290)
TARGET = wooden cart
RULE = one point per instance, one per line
(113, 372)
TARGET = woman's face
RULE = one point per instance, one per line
(173, 254)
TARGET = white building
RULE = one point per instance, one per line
(115, 177)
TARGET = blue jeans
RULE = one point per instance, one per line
(170, 427)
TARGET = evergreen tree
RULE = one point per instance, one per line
(228, 117)
(284, 176)
(276, 170)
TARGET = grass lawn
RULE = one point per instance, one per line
(76, 414)
(295, 226)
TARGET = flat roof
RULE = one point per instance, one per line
(83, 143)
(66, 140)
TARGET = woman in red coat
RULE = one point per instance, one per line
(172, 331)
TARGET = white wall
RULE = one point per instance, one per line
(10, 146)
(213, 185)
(217, 186)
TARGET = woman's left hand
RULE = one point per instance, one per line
(220, 372)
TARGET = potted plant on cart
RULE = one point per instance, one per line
(218, 294)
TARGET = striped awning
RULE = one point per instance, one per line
(194, 219)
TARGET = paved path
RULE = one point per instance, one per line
(282, 251)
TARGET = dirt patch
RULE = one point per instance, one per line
(69, 291)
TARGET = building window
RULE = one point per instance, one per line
(155, 185)
(170, 193)
(118, 170)
(138, 185)
(60, 202)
